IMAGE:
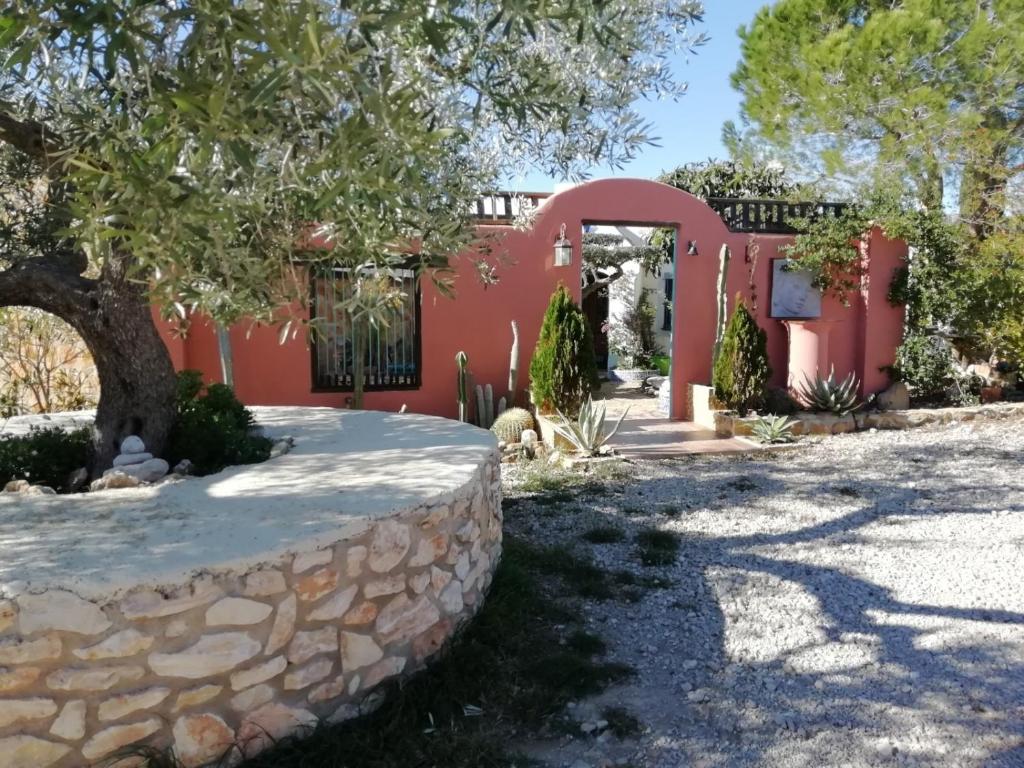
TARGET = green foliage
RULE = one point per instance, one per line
(907, 96)
(213, 429)
(742, 370)
(563, 371)
(831, 395)
(183, 129)
(663, 363)
(774, 429)
(510, 424)
(827, 248)
(44, 456)
(587, 434)
(732, 178)
(925, 365)
(910, 91)
(461, 361)
(658, 547)
(633, 338)
(777, 400)
(608, 252)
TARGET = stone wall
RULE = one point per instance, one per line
(729, 424)
(234, 660)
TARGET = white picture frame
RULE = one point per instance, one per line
(794, 296)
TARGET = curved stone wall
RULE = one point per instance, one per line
(254, 646)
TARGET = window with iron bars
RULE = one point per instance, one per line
(392, 354)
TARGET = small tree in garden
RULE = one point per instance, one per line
(632, 339)
(563, 372)
(742, 370)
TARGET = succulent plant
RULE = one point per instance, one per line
(461, 360)
(587, 433)
(828, 394)
(509, 425)
(774, 429)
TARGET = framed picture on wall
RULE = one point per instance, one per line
(793, 295)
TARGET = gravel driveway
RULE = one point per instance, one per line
(855, 601)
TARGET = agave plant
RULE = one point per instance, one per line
(587, 433)
(828, 394)
(774, 429)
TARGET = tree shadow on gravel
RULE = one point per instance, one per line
(801, 657)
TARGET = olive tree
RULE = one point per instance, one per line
(203, 155)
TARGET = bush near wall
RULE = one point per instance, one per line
(45, 456)
(563, 371)
(213, 429)
(741, 370)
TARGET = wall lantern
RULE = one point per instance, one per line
(563, 250)
(691, 248)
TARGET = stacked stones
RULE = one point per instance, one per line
(232, 662)
(134, 465)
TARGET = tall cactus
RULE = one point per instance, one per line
(488, 406)
(461, 360)
(481, 413)
(723, 309)
(513, 365)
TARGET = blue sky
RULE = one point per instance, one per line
(688, 129)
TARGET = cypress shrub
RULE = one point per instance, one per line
(741, 369)
(563, 371)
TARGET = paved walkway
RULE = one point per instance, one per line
(647, 433)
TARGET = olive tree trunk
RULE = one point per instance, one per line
(113, 317)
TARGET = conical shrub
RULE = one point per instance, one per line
(563, 371)
(742, 370)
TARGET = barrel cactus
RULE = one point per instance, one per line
(509, 426)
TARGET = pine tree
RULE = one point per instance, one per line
(742, 370)
(563, 371)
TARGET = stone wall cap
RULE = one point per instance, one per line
(347, 469)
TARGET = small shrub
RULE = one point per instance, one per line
(831, 395)
(213, 429)
(741, 370)
(658, 547)
(44, 456)
(925, 365)
(563, 372)
(587, 433)
(779, 402)
(663, 363)
(774, 429)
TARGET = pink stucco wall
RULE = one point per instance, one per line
(863, 336)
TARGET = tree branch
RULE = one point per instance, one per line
(43, 284)
(28, 136)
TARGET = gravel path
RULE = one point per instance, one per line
(855, 601)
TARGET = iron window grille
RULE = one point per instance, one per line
(393, 353)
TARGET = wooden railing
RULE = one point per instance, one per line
(504, 207)
(769, 216)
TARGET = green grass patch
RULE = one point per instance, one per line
(578, 573)
(658, 547)
(603, 534)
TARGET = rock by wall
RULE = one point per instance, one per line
(234, 660)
